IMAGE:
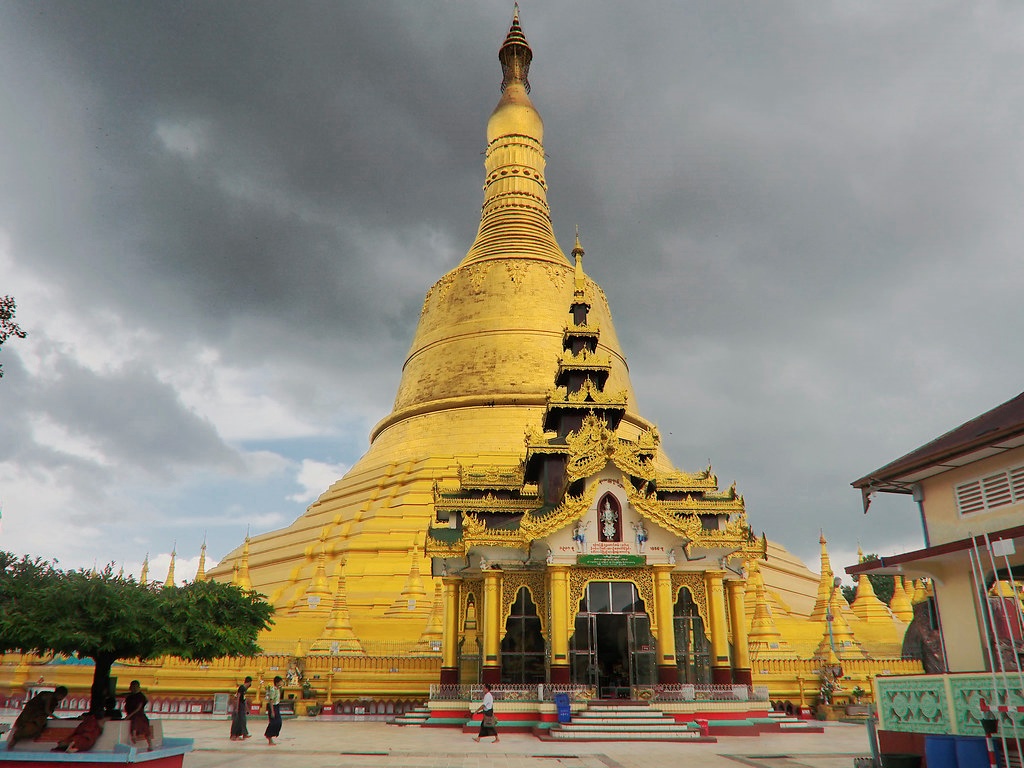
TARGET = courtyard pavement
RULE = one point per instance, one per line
(321, 744)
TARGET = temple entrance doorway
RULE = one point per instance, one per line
(612, 648)
(693, 649)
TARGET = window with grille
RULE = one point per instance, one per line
(998, 489)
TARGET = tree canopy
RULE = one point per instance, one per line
(107, 617)
(8, 327)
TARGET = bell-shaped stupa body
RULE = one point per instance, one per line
(477, 377)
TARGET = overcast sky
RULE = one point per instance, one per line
(219, 220)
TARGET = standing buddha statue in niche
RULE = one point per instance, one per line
(609, 519)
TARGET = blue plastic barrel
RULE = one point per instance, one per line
(940, 751)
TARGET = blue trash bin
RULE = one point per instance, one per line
(563, 707)
(972, 752)
(940, 751)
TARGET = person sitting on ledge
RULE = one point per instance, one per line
(135, 712)
(85, 735)
(32, 720)
(110, 710)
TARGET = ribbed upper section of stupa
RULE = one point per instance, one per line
(515, 219)
(490, 333)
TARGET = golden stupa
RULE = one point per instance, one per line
(477, 376)
(512, 488)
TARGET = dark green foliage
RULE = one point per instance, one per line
(107, 617)
(8, 327)
(850, 592)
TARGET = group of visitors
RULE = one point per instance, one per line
(37, 712)
(239, 723)
(40, 708)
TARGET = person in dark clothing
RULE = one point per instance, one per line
(274, 693)
(135, 711)
(239, 723)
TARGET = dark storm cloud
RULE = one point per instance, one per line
(805, 215)
(126, 418)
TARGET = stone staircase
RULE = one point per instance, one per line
(416, 716)
(622, 721)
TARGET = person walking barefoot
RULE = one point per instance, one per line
(488, 724)
(239, 725)
(274, 711)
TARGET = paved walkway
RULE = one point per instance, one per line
(314, 744)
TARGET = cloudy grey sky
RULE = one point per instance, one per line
(220, 219)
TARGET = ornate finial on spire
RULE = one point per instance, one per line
(577, 253)
(169, 582)
(201, 570)
(144, 576)
(515, 55)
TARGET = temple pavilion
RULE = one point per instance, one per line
(515, 518)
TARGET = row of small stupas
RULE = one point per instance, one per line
(864, 629)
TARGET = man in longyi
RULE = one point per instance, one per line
(32, 720)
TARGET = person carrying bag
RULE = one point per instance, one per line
(489, 723)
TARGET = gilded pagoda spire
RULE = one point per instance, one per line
(241, 575)
(144, 575)
(867, 605)
(515, 220)
(580, 282)
(432, 636)
(900, 604)
(412, 601)
(766, 642)
(318, 594)
(826, 585)
(201, 570)
(169, 581)
(338, 636)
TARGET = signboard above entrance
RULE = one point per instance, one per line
(612, 561)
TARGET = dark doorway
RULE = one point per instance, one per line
(612, 648)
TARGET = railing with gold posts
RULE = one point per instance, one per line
(547, 692)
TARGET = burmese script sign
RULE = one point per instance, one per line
(612, 561)
(611, 548)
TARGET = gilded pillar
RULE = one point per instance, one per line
(721, 670)
(558, 588)
(668, 671)
(740, 640)
(492, 630)
(450, 633)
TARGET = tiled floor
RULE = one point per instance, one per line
(313, 744)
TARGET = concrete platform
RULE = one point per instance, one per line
(315, 744)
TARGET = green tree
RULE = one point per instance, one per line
(105, 617)
(883, 586)
(8, 327)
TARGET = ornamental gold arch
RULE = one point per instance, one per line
(641, 578)
(535, 584)
(694, 582)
